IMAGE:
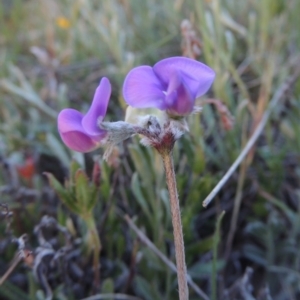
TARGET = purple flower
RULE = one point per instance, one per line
(173, 84)
(81, 132)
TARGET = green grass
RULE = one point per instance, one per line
(253, 47)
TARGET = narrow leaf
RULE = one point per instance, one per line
(64, 195)
(82, 189)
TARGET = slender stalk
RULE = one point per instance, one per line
(13, 265)
(237, 205)
(95, 245)
(177, 227)
(168, 262)
(216, 241)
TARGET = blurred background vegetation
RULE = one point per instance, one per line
(53, 54)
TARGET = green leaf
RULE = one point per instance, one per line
(93, 197)
(136, 188)
(82, 189)
(144, 167)
(67, 197)
(12, 292)
(199, 247)
(40, 295)
(152, 260)
(144, 289)
(255, 254)
(203, 270)
(105, 185)
(198, 160)
(164, 197)
(74, 166)
(108, 287)
(217, 237)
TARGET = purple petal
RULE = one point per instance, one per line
(143, 89)
(171, 93)
(98, 108)
(179, 98)
(69, 120)
(79, 141)
(197, 76)
(69, 123)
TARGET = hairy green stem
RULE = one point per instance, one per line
(177, 227)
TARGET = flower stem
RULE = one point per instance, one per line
(177, 227)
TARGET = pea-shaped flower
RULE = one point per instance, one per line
(172, 85)
(81, 132)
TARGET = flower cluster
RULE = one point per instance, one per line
(171, 85)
